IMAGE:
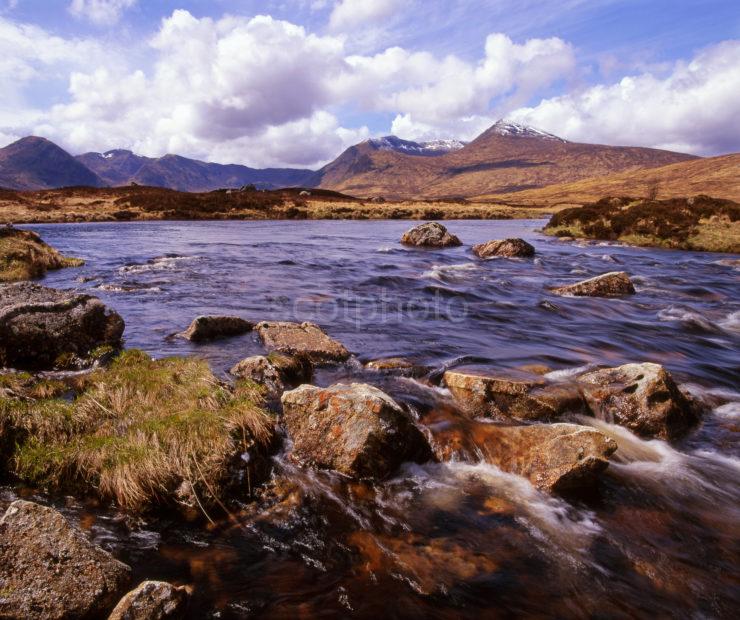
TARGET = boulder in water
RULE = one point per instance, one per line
(613, 284)
(508, 248)
(152, 600)
(355, 429)
(40, 325)
(48, 569)
(431, 234)
(212, 327)
(505, 396)
(641, 397)
(302, 339)
(397, 366)
(275, 371)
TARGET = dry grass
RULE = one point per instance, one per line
(24, 256)
(137, 431)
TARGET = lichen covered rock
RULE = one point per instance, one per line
(613, 284)
(212, 327)
(430, 234)
(152, 600)
(302, 339)
(507, 248)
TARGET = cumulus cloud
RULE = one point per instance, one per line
(693, 108)
(101, 12)
(352, 14)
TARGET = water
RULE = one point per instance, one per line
(459, 538)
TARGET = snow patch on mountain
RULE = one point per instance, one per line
(509, 128)
(427, 149)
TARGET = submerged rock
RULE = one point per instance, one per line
(276, 371)
(397, 365)
(303, 339)
(430, 234)
(613, 284)
(355, 429)
(554, 457)
(23, 255)
(508, 248)
(40, 325)
(522, 396)
(212, 327)
(152, 600)
(641, 397)
(48, 569)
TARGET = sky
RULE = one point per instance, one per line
(294, 82)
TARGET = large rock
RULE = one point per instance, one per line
(613, 284)
(39, 324)
(642, 397)
(430, 234)
(152, 600)
(508, 248)
(302, 339)
(212, 327)
(519, 396)
(355, 429)
(48, 569)
(276, 371)
(554, 457)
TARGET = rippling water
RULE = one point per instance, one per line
(452, 539)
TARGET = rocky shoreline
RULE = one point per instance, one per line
(148, 435)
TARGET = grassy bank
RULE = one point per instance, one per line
(139, 433)
(24, 256)
(700, 223)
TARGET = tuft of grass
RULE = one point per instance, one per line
(138, 431)
(24, 256)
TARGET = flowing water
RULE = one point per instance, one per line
(460, 538)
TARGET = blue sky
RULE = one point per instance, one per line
(210, 79)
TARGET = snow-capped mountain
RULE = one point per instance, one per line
(508, 128)
(426, 149)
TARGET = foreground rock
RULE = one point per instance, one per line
(507, 248)
(613, 284)
(23, 256)
(554, 457)
(356, 429)
(276, 371)
(302, 339)
(205, 328)
(48, 569)
(430, 234)
(641, 397)
(39, 325)
(522, 396)
(152, 600)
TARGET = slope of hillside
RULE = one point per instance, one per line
(715, 176)
(37, 163)
(505, 158)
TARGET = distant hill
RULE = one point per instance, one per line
(718, 177)
(35, 163)
(505, 158)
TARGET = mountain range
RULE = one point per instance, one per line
(506, 158)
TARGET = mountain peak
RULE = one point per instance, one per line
(408, 147)
(504, 127)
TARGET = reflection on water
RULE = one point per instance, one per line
(459, 538)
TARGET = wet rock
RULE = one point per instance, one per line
(39, 325)
(554, 457)
(212, 327)
(642, 397)
(519, 396)
(48, 569)
(613, 284)
(152, 600)
(397, 365)
(355, 429)
(302, 339)
(508, 248)
(430, 234)
(276, 371)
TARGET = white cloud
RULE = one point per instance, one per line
(353, 14)
(101, 12)
(694, 108)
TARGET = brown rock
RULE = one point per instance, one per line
(48, 569)
(642, 397)
(152, 600)
(39, 325)
(430, 234)
(519, 396)
(276, 371)
(356, 429)
(397, 365)
(302, 339)
(212, 327)
(554, 457)
(508, 248)
(613, 284)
